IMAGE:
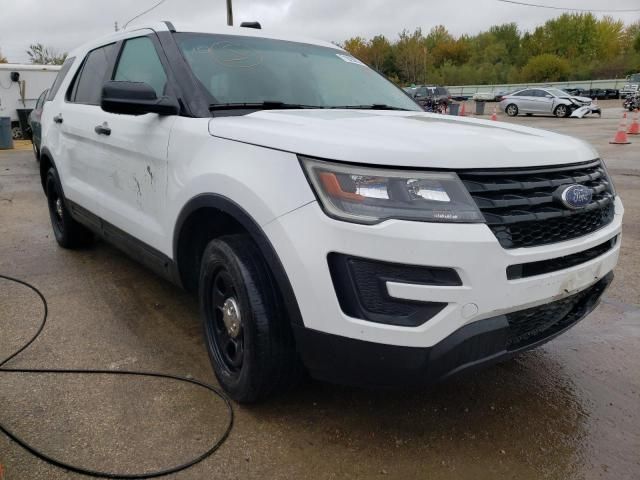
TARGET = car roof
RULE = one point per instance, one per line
(146, 28)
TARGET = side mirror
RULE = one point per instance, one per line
(135, 98)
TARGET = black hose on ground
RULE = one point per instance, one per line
(87, 471)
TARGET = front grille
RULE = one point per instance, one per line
(520, 207)
(534, 324)
(361, 288)
(524, 270)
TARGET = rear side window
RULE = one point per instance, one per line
(139, 62)
(60, 77)
(88, 85)
(41, 99)
(524, 93)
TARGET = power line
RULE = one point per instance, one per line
(591, 10)
(143, 13)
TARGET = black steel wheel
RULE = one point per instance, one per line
(226, 334)
(246, 330)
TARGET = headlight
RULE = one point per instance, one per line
(372, 195)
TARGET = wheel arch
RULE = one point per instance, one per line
(46, 162)
(221, 216)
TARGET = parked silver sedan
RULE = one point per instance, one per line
(544, 101)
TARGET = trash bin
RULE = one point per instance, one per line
(453, 108)
(6, 139)
(480, 108)
(23, 117)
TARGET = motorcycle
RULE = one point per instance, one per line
(431, 105)
(632, 102)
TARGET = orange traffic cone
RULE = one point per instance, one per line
(494, 115)
(463, 111)
(634, 129)
(621, 134)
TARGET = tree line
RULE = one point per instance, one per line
(576, 46)
(40, 54)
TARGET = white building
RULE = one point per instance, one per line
(20, 87)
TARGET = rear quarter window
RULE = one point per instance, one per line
(66, 66)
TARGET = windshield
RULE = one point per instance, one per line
(635, 78)
(252, 70)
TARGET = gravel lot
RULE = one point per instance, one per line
(568, 410)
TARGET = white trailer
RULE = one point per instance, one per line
(20, 87)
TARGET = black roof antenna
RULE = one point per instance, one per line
(251, 25)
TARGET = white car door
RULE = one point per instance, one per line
(133, 173)
(75, 116)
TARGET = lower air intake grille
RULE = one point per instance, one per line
(529, 326)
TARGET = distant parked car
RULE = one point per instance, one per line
(599, 93)
(492, 96)
(544, 101)
(35, 124)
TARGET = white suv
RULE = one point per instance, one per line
(327, 223)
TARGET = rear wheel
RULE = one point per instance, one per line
(248, 337)
(16, 132)
(511, 110)
(68, 232)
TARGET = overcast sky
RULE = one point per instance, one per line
(65, 24)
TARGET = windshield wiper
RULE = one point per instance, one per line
(373, 106)
(266, 105)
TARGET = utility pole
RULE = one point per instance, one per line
(229, 13)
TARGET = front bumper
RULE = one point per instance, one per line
(478, 344)
(304, 238)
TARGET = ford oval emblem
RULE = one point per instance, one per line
(574, 196)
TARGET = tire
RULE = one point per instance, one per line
(68, 232)
(562, 111)
(511, 110)
(16, 132)
(36, 152)
(249, 340)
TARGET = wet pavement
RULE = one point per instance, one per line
(568, 410)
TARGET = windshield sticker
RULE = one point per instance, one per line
(350, 59)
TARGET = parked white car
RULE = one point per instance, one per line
(323, 219)
(545, 101)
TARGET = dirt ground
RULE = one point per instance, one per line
(568, 410)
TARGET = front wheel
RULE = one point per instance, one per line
(248, 338)
(512, 110)
(562, 111)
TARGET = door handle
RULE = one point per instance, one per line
(57, 119)
(103, 129)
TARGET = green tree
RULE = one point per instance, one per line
(41, 55)
(576, 46)
(546, 68)
(3, 59)
(379, 52)
(411, 56)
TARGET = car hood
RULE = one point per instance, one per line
(410, 139)
(581, 99)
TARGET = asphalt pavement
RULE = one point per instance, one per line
(567, 410)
